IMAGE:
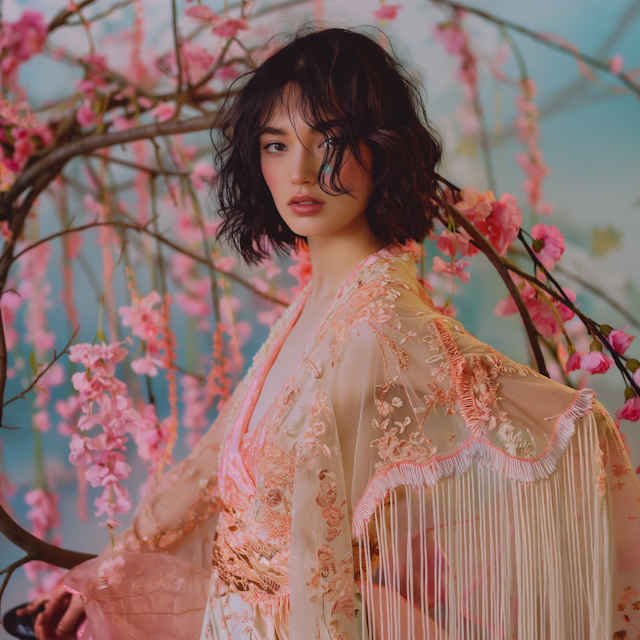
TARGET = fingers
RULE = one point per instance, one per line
(31, 608)
(55, 608)
(66, 629)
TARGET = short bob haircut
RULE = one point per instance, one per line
(347, 86)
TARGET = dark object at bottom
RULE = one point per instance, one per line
(21, 626)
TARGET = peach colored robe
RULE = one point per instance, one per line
(404, 463)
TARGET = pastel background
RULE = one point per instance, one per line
(590, 139)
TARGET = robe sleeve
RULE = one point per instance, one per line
(160, 591)
(483, 499)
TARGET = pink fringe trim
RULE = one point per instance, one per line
(525, 470)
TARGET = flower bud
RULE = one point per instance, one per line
(595, 346)
(632, 365)
(629, 393)
(605, 329)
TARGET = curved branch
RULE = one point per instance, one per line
(39, 549)
(100, 141)
(498, 262)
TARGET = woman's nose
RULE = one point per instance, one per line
(304, 169)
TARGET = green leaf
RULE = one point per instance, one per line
(605, 240)
(32, 363)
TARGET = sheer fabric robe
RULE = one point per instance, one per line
(408, 481)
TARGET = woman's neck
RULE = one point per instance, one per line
(334, 257)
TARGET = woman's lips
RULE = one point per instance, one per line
(309, 209)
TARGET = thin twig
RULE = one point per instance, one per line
(8, 571)
(56, 356)
(138, 167)
(61, 19)
(625, 78)
(163, 239)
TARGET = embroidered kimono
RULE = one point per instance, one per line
(408, 481)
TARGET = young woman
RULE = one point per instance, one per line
(379, 473)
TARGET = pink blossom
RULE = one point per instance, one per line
(202, 13)
(457, 268)
(502, 226)
(301, 269)
(108, 468)
(85, 114)
(596, 362)
(225, 263)
(41, 421)
(636, 377)
(616, 63)
(163, 111)
(452, 39)
(146, 365)
(28, 35)
(227, 72)
(450, 243)
(111, 573)
(268, 317)
(192, 305)
(229, 28)
(114, 499)
(44, 512)
(548, 244)
(630, 411)
(202, 174)
(449, 310)
(387, 12)
(573, 362)
(620, 340)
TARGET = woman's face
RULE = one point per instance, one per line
(291, 158)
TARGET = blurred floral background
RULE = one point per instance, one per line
(519, 115)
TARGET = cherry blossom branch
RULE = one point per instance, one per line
(593, 289)
(138, 167)
(592, 326)
(61, 19)
(161, 238)
(104, 14)
(100, 141)
(34, 382)
(601, 294)
(625, 78)
(36, 549)
(498, 262)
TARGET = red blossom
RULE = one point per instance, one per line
(387, 12)
(630, 411)
(620, 340)
(596, 362)
(548, 244)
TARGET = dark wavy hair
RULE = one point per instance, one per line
(347, 86)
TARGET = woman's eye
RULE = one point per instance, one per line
(280, 147)
(331, 142)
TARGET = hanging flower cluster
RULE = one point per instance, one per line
(531, 160)
(104, 401)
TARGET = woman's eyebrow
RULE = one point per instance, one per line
(274, 131)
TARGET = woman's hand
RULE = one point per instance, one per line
(61, 616)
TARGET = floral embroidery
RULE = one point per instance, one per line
(619, 469)
(317, 423)
(333, 582)
(514, 442)
(601, 479)
(417, 448)
(326, 499)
